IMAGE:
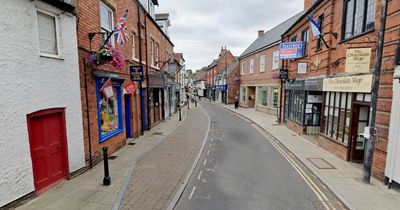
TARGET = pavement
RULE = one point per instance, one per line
(344, 178)
(146, 175)
(241, 169)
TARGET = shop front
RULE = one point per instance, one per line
(346, 115)
(156, 98)
(303, 105)
(267, 99)
(220, 93)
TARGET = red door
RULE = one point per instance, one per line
(48, 144)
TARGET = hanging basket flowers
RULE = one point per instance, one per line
(108, 55)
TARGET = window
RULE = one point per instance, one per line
(109, 111)
(359, 17)
(251, 66)
(337, 114)
(275, 97)
(157, 55)
(48, 34)
(275, 60)
(321, 29)
(243, 70)
(262, 63)
(133, 46)
(262, 96)
(304, 38)
(294, 38)
(295, 106)
(107, 22)
(243, 94)
(152, 61)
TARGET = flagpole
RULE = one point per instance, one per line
(322, 37)
(108, 38)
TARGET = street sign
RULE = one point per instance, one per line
(136, 73)
(283, 74)
(290, 50)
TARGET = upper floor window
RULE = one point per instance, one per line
(359, 17)
(275, 60)
(304, 38)
(157, 55)
(294, 38)
(107, 22)
(251, 66)
(133, 46)
(48, 34)
(152, 61)
(243, 69)
(321, 29)
(262, 63)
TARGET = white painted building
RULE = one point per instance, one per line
(41, 139)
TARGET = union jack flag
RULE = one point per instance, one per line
(121, 33)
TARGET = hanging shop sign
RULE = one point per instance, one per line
(295, 85)
(356, 84)
(302, 68)
(136, 73)
(358, 60)
(130, 87)
(283, 74)
(290, 50)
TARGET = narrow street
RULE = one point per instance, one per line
(241, 169)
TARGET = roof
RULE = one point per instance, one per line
(272, 36)
(232, 67)
(200, 75)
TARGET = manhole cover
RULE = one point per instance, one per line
(112, 157)
(157, 134)
(321, 163)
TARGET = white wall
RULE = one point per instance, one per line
(30, 83)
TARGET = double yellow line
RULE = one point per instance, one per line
(313, 186)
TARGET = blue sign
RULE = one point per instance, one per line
(220, 87)
(291, 50)
(136, 73)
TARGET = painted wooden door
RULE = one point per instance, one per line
(48, 144)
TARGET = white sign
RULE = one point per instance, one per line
(302, 68)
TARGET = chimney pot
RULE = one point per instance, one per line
(260, 33)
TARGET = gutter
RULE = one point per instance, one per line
(61, 5)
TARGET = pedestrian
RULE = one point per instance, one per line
(236, 101)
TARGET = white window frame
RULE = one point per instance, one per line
(275, 59)
(157, 53)
(243, 89)
(262, 63)
(56, 17)
(251, 71)
(103, 29)
(243, 69)
(152, 52)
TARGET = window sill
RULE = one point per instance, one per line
(58, 57)
(333, 140)
(109, 135)
(318, 49)
(357, 36)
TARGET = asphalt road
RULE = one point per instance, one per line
(241, 169)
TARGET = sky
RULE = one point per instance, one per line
(200, 27)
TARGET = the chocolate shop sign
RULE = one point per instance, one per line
(355, 84)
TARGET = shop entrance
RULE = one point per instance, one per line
(128, 116)
(359, 122)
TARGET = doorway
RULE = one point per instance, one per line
(359, 122)
(128, 116)
(48, 146)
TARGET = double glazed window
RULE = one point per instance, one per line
(243, 68)
(262, 96)
(251, 66)
(304, 38)
(107, 22)
(262, 63)
(359, 17)
(337, 113)
(267, 96)
(321, 29)
(48, 36)
(275, 60)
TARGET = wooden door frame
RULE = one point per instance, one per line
(64, 137)
(355, 117)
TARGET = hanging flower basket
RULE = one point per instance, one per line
(108, 55)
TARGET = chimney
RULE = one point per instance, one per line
(308, 3)
(260, 33)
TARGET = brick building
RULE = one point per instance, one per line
(328, 92)
(259, 70)
(109, 122)
(218, 91)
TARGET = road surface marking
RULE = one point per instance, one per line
(199, 177)
(191, 194)
(208, 152)
(203, 180)
(210, 145)
(321, 196)
(209, 169)
(205, 161)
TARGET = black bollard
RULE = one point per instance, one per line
(188, 104)
(195, 103)
(107, 178)
(180, 115)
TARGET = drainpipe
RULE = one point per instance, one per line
(87, 114)
(147, 75)
(141, 64)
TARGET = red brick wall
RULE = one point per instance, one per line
(233, 88)
(297, 128)
(332, 146)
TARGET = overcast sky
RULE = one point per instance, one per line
(200, 27)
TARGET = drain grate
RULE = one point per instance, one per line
(131, 143)
(112, 157)
(157, 134)
(321, 163)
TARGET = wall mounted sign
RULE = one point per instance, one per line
(296, 85)
(136, 73)
(302, 68)
(314, 84)
(314, 99)
(358, 60)
(283, 74)
(130, 87)
(290, 50)
(220, 87)
(356, 84)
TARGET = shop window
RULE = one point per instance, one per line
(337, 116)
(262, 96)
(295, 106)
(359, 17)
(243, 94)
(275, 97)
(109, 111)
